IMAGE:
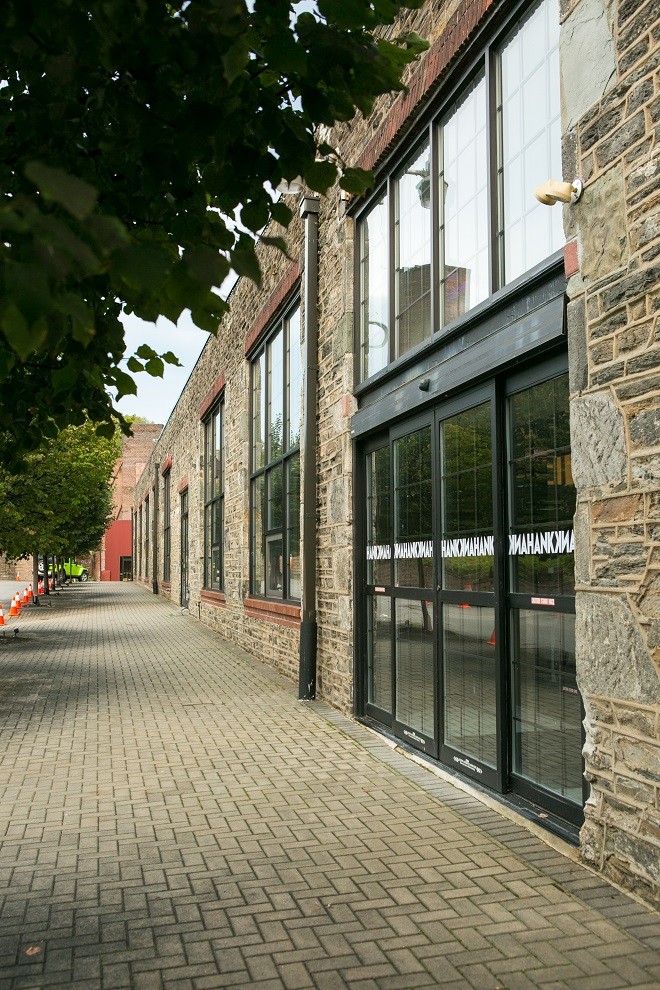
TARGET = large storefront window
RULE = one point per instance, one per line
(449, 229)
(469, 641)
(214, 497)
(275, 482)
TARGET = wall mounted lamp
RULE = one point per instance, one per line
(290, 187)
(555, 191)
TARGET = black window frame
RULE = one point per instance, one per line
(146, 537)
(167, 527)
(279, 468)
(214, 495)
(484, 62)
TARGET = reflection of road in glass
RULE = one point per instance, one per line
(469, 681)
(547, 714)
(414, 665)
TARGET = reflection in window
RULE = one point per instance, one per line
(413, 253)
(464, 206)
(214, 497)
(547, 736)
(413, 510)
(275, 489)
(379, 652)
(415, 696)
(542, 494)
(167, 526)
(379, 518)
(485, 234)
(468, 635)
(529, 115)
(374, 290)
(467, 500)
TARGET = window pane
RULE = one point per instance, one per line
(217, 454)
(374, 294)
(379, 648)
(258, 583)
(529, 120)
(379, 518)
(275, 397)
(413, 503)
(467, 500)
(207, 546)
(468, 636)
(274, 550)
(547, 739)
(293, 525)
(275, 498)
(258, 412)
(294, 379)
(463, 182)
(413, 254)
(542, 491)
(414, 665)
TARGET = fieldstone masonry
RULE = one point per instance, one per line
(615, 381)
(610, 65)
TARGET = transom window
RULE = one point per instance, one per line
(214, 497)
(458, 220)
(276, 382)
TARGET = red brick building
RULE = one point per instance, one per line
(114, 559)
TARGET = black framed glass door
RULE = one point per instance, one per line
(546, 711)
(469, 592)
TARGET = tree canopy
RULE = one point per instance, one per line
(137, 141)
(61, 500)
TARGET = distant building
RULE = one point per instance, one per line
(114, 560)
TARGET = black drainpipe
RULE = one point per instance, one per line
(154, 572)
(309, 211)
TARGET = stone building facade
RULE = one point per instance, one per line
(418, 469)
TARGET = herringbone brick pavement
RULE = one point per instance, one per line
(171, 816)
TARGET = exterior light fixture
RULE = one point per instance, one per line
(290, 187)
(555, 191)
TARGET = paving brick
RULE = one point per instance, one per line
(201, 829)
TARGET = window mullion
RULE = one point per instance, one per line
(496, 180)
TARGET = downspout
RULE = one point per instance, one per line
(154, 571)
(309, 212)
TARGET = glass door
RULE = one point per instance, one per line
(546, 713)
(470, 616)
(467, 592)
(412, 595)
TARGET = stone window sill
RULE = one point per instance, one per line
(270, 611)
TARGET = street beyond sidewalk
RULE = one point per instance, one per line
(172, 816)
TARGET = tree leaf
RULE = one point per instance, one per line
(58, 186)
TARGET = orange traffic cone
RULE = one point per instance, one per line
(17, 596)
(491, 641)
(2, 616)
(30, 591)
(40, 587)
(13, 610)
(26, 596)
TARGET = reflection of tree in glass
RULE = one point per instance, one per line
(413, 504)
(467, 494)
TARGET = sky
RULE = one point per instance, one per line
(157, 397)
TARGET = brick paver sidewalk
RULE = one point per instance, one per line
(171, 816)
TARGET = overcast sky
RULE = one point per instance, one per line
(157, 397)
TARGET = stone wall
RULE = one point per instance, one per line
(265, 632)
(610, 61)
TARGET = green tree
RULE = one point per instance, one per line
(61, 500)
(134, 134)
